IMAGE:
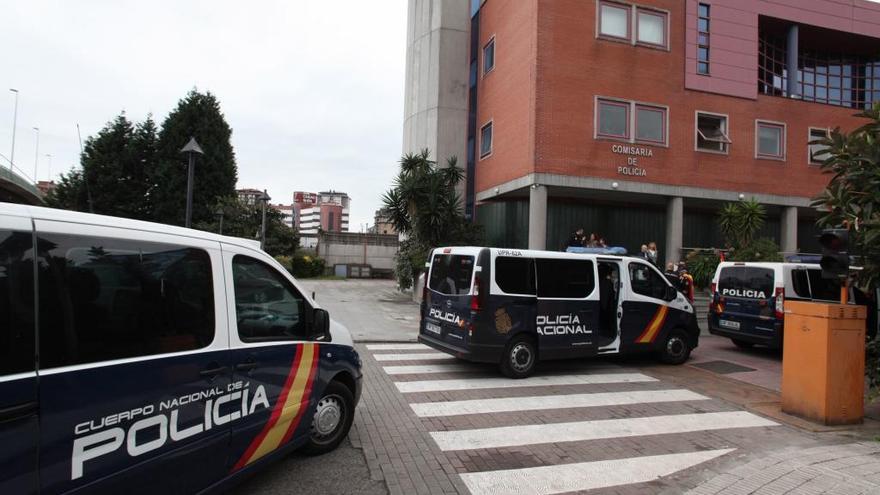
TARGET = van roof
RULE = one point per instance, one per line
(57, 215)
(530, 253)
(767, 264)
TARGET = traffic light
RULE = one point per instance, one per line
(835, 255)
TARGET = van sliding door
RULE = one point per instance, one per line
(567, 316)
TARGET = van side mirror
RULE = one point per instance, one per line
(321, 325)
(671, 293)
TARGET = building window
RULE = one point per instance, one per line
(703, 39)
(614, 20)
(770, 140)
(651, 27)
(712, 132)
(613, 119)
(489, 56)
(815, 150)
(486, 140)
(650, 124)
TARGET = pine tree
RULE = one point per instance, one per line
(197, 115)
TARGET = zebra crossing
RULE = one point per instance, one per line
(517, 416)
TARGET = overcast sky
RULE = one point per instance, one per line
(313, 90)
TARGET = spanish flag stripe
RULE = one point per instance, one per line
(310, 383)
(654, 326)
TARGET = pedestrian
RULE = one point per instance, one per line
(687, 284)
(653, 256)
(671, 274)
(593, 240)
(644, 253)
(600, 243)
(577, 238)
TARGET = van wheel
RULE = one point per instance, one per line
(742, 344)
(676, 349)
(519, 358)
(332, 419)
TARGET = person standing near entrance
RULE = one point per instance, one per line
(577, 238)
(653, 256)
(687, 283)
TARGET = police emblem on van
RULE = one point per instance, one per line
(747, 293)
(560, 325)
(503, 324)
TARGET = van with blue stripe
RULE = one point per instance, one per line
(146, 358)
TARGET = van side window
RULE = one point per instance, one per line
(645, 281)
(515, 275)
(267, 306)
(565, 278)
(451, 274)
(16, 302)
(103, 299)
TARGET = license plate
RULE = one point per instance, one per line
(733, 325)
(430, 327)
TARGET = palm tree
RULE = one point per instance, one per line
(740, 221)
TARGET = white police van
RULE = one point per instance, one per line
(144, 358)
(748, 298)
(513, 307)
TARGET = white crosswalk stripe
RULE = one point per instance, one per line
(428, 369)
(398, 347)
(509, 404)
(509, 436)
(535, 381)
(412, 357)
(585, 475)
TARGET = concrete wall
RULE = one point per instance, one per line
(354, 248)
(436, 89)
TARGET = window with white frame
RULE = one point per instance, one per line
(651, 27)
(712, 134)
(816, 149)
(486, 140)
(769, 140)
(614, 20)
(631, 121)
(489, 56)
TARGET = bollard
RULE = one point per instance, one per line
(823, 362)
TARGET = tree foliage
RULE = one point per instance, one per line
(739, 222)
(425, 206)
(243, 220)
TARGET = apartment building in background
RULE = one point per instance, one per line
(639, 120)
(327, 211)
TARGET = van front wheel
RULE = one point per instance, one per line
(520, 357)
(332, 419)
(676, 348)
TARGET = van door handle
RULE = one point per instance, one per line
(247, 366)
(212, 372)
(18, 411)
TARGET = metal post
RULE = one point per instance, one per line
(791, 62)
(36, 154)
(265, 199)
(192, 147)
(220, 213)
(14, 122)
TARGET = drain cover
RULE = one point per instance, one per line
(722, 367)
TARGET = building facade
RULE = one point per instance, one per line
(287, 214)
(382, 223)
(249, 196)
(640, 120)
(327, 211)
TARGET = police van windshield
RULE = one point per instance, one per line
(451, 274)
(746, 281)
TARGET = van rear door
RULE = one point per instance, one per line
(748, 293)
(19, 426)
(448, 297)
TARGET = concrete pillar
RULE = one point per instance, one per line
(537, 217)
(791, 61)
(674, 229)
(789, 234)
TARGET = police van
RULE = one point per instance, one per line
(514, 307)
(145, 358)
(748, 298)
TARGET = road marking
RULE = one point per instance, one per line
(508, 404)
(398, 347)
(429, 368)
(535, 381)
(584, 476)
(509, 436)
(412, 357)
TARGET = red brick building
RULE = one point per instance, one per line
(640, 120)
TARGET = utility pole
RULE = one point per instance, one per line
(265, 199)
(85, 176)
(192, 148)
(14, 122)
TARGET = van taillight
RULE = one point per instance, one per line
(780, 303)
(476, 301)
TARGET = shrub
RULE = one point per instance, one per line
(702, 267)
(762, 249)
(305, 266)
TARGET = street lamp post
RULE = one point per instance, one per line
(36, 154)
(192, 148)
(265, 199)
(220, 213)
(14, 122)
